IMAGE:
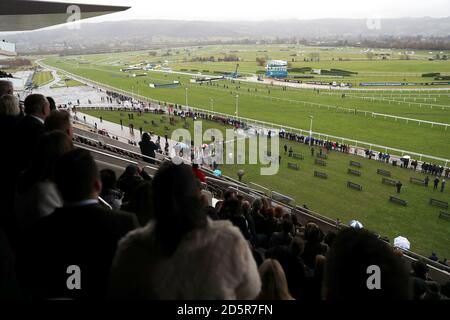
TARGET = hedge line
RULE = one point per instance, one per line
(430, 75)
(300, 70)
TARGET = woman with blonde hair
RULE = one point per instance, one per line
(274, 284)
(9, 105)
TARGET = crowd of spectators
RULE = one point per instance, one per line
(435, 169)
(71, 231)
(329, 145)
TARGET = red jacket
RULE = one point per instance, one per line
(199, 174)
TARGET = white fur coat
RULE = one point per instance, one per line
(210, 263)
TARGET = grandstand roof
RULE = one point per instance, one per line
(24, 15)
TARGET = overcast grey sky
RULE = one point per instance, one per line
(273, 9)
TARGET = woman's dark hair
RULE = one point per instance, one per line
(257, 205)
(287, 226)
(420, 268)
(177, 204)
(329, 238)
(141, 202)
(229, 194)
(234, 207)
(313, 234)
(265, 205)
(297, 246)
(294, 220)
(52, 103)
(109, 179)
(145, 137)
(130, 170)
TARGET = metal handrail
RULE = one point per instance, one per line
(119, 148)
(80, 145)
(267, 191)
(227, 183)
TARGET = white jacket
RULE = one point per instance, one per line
(214, 262)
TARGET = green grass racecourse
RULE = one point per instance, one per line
(294, 106)
(42, 78)
(418, 221)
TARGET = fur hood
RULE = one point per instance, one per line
(214, 262)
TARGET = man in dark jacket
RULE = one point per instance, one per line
(148, 148)
(282, 238)
(436, 183)
(130, 179)
(68, 254)
(398, 186)
(30, 129)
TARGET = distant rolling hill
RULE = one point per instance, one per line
(160, 31)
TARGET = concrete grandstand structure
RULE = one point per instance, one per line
(21, 15)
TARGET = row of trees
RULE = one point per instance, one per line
(16, 63)
(261, 61)
(203, 59)
(441, 57)
(418, 43)
(228, 58)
